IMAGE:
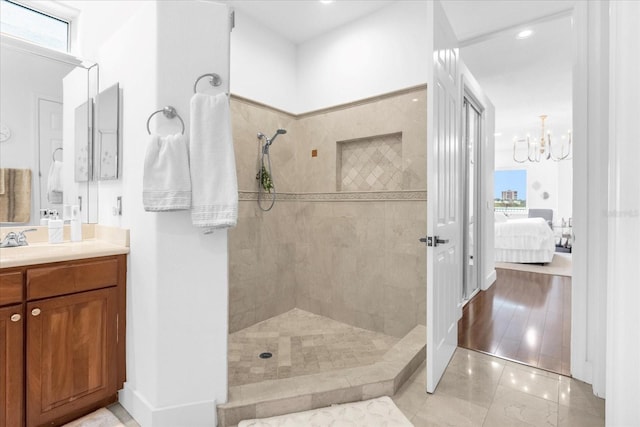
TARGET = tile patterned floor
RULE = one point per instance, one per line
(302, 343)
(485, 391)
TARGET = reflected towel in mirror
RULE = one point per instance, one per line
(15, 203)
(54, 183)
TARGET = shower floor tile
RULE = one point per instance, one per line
(301, 343)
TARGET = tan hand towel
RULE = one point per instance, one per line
(15, 203)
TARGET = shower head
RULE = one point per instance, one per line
(278, 132)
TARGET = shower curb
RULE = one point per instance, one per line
(278, 397)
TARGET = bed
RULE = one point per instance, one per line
(526, 240)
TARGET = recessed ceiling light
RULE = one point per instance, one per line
(415, 99)
(326, 1)
(524, 34)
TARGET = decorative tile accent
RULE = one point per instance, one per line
(341, 196)
(370, 164)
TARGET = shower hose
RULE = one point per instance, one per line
(261, 180)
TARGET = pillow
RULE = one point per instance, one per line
(500, 217)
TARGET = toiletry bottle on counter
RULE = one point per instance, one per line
(44, 216)
(55, 228)
(76, 224)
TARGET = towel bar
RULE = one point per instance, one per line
(169, 112)
(214, 80)
(53, 155)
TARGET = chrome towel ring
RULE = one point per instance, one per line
(169, 112)
(214, 80)
(53, 155)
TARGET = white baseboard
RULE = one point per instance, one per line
(489, 280)
(197, 414)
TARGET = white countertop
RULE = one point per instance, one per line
(40, 253)
(99, 241)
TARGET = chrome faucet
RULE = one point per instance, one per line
(13, 239)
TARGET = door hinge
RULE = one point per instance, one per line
(232, 19)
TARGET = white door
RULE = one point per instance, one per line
(50, 146)
(444, 257)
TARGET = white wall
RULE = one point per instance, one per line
(24, 78)
(623, 293)
(177, 277)
(376, 54)
(263, 65)
(379, 53)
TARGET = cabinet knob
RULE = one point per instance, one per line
(15, 317)
(35, 312)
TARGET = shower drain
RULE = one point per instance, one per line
(265, 355)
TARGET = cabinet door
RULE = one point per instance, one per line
(71, 349)
(11, 359)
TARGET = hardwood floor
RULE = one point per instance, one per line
(525, 317)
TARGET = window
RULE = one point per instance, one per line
(34, 26)
(510, 190)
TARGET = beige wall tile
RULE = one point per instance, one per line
(355, 261)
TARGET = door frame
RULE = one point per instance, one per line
(469, 96)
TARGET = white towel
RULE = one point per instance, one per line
(213, 165)
(54, 182)
(166, 183)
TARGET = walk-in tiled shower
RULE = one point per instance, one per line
(333, 276)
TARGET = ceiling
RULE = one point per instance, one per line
(523, 78)
(526, 78)
(301, 20)
(473, 18)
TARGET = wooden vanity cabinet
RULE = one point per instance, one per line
(12, 364)
(73, 334)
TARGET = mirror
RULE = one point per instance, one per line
(82, 141)
(46, 110)
(106, 146)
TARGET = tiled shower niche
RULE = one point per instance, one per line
(370, 164)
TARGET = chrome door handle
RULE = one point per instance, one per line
(429, 240)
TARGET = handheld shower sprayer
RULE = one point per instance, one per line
(264, 175)
(278, 132)
(269, 141)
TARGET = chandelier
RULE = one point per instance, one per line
(541, 148)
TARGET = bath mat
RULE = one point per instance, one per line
(100, 418)
(380, 412)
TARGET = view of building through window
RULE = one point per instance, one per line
(510, 189)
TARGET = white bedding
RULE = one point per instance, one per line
(527, 240)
